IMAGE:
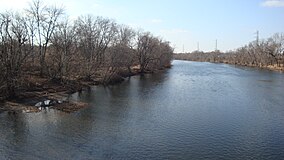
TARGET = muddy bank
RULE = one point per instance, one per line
(268, 67)
(29, 103)
(15, 107)
(39, 89)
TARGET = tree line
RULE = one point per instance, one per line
(267, 53)
(42, 41)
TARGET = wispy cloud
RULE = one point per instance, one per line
(156, 21)
(273, 3)
(174, 31)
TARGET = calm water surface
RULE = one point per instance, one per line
(192, 111)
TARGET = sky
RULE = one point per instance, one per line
(185, 23)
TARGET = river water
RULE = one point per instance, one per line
(192, 111)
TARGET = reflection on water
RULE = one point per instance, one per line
(192, 111)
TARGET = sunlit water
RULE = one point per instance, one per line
(192, 111)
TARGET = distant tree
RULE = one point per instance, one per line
(275, 48)
(265, 53)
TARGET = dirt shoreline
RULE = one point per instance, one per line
(55, 90)
(269, 67)
(25, 101)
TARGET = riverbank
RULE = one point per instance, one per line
(38, 89)
(268, 67)
(44, 89)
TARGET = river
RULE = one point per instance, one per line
(192, 111)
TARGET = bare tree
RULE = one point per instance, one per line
(94, 37)
(165, 54)
(125, 47)
(91, 47)
(14, 49)
(145, 50)
(275, 48)
(45, 18)
(62, 50)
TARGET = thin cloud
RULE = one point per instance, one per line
(174, 31)
(273, 3)
(156, 21)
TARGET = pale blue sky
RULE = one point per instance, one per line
(184, 22)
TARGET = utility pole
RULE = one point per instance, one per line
(216, 45)
(197, 46)
(183, 48)
(257, 37)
